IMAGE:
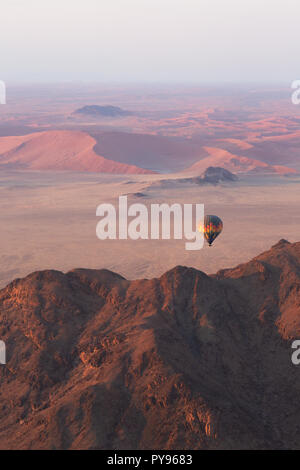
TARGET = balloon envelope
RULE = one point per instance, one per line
(213, 226)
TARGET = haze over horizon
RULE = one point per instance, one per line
(142, 41)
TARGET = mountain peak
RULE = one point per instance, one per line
(215, 174)
(95, 361)
(281, 244)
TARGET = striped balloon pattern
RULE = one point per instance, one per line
(213, 226)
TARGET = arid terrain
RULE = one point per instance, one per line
(48, 221)
(57, 165)
(166, 354)
(149, 228)
(185, 361)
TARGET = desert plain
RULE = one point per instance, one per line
(60, 157)
(48, 221)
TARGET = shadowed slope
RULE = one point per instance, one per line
(184, 361)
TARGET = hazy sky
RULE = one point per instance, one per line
(150, 40)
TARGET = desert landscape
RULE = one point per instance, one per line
(107, 340)
(48, 221)
(149, 229)
(61, 156)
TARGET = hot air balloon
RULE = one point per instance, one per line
(213, 226)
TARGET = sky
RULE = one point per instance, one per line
(199, 41)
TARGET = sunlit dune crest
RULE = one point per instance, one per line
(241, 144)
(12, 142)
(235, 163)
(59, 150)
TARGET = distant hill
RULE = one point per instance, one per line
(217, 174)
(103, 111)
(184, 361)
(212, 175)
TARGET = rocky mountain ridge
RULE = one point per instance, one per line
(184, 361)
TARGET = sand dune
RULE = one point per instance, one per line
(235, 163)
(288, 137)
(59, 150)
(12, 142)
(237, 143)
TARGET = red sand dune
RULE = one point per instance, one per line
(287, 137)
(241, 144)
(59, 150)
(235, 163)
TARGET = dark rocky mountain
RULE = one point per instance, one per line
(102, 111)
(217, 174)
(212, 175)
(186, 361)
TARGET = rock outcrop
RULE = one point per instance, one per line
(186, 361)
